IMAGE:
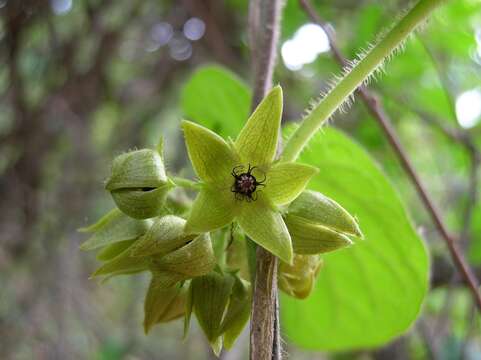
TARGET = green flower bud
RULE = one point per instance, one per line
(318, 224)
(298, 279)
(318, 209)
(163, 305)
(138, 183)
(165, 236)
(221, 301)
(196, 258)
(210, 296)
(238, 311)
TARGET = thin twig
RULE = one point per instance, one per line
(264, 20)
(464, 138)
(377, 111)
(472, 196)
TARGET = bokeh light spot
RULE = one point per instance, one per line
(61, 7)
(468, 108)
(161, 33)
(180, 48)
(308, 42)
(194, 29)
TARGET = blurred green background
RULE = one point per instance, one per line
(81, 81)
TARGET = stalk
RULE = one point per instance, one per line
(354, 77)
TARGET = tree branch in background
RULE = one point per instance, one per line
(463, 138)
(264, 20)
(375, 108)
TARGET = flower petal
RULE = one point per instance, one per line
(285, 181)
(266, 227)
(257, 141)
(212, 209)
(212, 158)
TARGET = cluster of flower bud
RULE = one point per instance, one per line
(317, 225)
(140, 235)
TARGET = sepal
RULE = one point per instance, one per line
(163, 305)
(298, 279)
(114, 227)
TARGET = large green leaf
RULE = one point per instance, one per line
(371, 292)
(217, 99)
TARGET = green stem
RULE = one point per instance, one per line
(348, 84)
(186, 183)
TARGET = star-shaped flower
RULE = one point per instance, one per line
(242, 182)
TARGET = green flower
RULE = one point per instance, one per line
(262, 185)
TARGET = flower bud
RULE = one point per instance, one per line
(196, 258)
(163, 305)
(238, 311)
(318, 224)
(138, 183)
(210, 296)
(298, 279)
(165, 236)
(318, 209)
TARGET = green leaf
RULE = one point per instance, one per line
(211, 157)
(257, 141)
(114, 227)
(285, 181)
(266, 227)
(216, 98)
(212, 209)
(370, 293)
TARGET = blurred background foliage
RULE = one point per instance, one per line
(84, 80)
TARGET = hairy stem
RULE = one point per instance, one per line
(264, 19)
(355, 77)
(377, 111)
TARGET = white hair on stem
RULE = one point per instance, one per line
(374, 74)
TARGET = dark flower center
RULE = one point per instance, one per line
(245, 184)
